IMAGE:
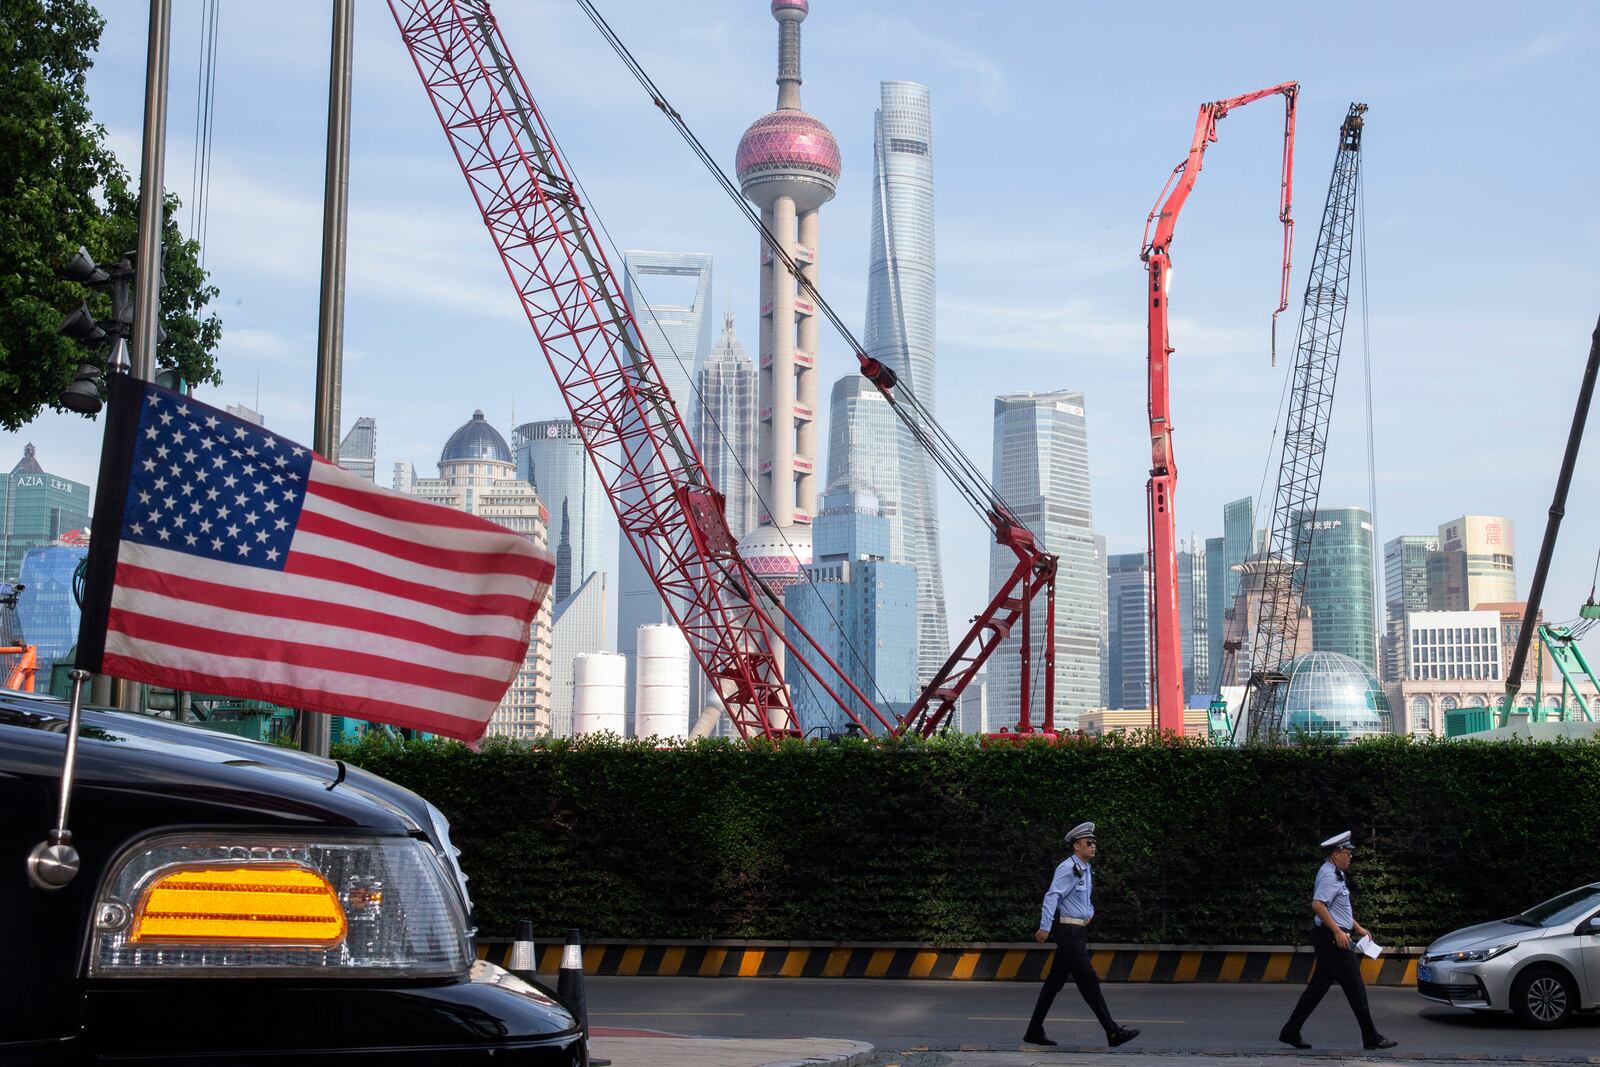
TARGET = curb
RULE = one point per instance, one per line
(1024, 962)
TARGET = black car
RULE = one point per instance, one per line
(240, 903)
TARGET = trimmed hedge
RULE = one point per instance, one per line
(946, 841)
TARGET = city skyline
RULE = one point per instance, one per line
(1038, 287)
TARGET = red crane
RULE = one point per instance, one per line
(665, 503)
(1165, 633)
(666, 506)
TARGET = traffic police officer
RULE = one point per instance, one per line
(1337, 959)
(1065, 919)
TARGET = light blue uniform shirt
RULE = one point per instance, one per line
(1069, 893)
(1333, 891)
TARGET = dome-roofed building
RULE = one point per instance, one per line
(477, 440)
(1331, 693)
(478, 475)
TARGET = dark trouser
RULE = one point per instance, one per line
(1071, 961)
(1334, 964)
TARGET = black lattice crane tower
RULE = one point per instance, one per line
(1305, 441)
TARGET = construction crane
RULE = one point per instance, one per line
(1166, 657)
(1033, 576)
(1305, 440)
(1560, 642)
(666, 506)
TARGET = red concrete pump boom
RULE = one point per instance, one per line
(1165, 633)
(666, 506)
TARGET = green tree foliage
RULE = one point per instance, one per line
(61, 187)
(947, 841)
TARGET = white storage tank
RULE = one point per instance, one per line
(599, 683)
(661, 690)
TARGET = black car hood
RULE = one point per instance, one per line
(218, 777)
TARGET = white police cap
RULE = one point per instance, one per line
(1339, 841)
(1081, 831)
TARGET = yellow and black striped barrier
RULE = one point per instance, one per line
(974, 963)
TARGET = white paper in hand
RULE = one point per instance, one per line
(1368, 947)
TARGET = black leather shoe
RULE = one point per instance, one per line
(1121, 1036)
(1293, 1040)
(1382, 1042)
(1036, 1037)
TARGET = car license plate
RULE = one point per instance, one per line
(1424, 973)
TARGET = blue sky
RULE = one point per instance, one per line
(1055, 126)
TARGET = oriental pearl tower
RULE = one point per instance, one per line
(788, 165)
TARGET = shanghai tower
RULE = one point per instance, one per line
(900, 333)
(788, 166)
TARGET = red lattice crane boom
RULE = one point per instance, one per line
(1165, 626)
(666, 506)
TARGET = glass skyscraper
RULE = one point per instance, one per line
(900, 330)
(1128, 622)
(1216, 605)
(550, 457)
(1405, 589)
(864, 450)
(725, 431)
(1238, 541)
(1339, 584)
(1041, 468)
(1193, 621)
(46, 610)
(860, 607)
(358, 452)
(36, 507)
(670, 294)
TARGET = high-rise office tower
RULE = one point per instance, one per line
(46, 610)
(550, 457)
(788, 165)
(1238, 541)
(358, 452)
(1339, 583)
(1216, 608)
(1041, 466)
(36, 508)
(577, 627)
(563, 584)
(1479, 556)
(1405, 589)
(1103, 584)
(670, 294)
(900, 329)
(1128, 622)
(725, 432)
(860, 607)
(1193, 620)
(864, 449)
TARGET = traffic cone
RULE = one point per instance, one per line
(569, 988)
(523, 952)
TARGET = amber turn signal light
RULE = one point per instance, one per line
(258, 903)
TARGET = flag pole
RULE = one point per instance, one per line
(330, 324)
(152, 216)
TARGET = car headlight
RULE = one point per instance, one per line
(1478, 955)
(185, 905)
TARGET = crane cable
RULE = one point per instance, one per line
(980, 495)
(855, 653)
(204, 127)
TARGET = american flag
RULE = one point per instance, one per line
(225, 559)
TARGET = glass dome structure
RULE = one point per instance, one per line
(1331, 693)
(476, 440)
